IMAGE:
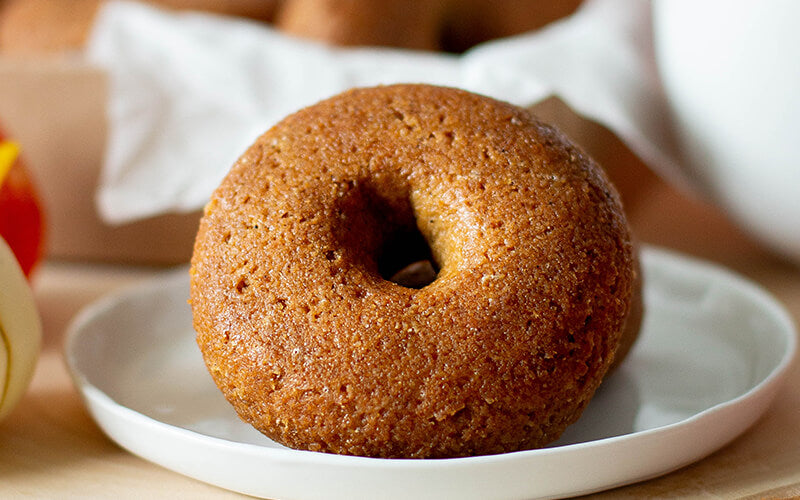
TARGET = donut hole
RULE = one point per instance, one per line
(381, 233)
(406, 259)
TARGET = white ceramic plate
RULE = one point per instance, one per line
(712, 353)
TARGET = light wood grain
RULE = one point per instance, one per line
(50, 447)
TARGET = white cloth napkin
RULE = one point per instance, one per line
(189, 91)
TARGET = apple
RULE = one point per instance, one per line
(21, 223)
(20, 331)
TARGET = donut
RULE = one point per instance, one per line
(37, 26)
(448, 25)
(305, 333)
(633, 323)
(42, 26)
(388, 23)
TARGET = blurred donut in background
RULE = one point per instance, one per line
(471, 22)
(395, 23)
(32, 26)
(447, 25)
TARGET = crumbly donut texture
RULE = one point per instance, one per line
(310, 341)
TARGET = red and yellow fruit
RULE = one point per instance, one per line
(21, 223)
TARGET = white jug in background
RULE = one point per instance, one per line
(731, 71)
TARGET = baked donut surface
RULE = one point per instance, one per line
(312, 344)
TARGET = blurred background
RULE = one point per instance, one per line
(732, 119)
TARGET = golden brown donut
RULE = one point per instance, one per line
(309, 340)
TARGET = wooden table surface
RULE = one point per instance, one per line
(51, 448)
